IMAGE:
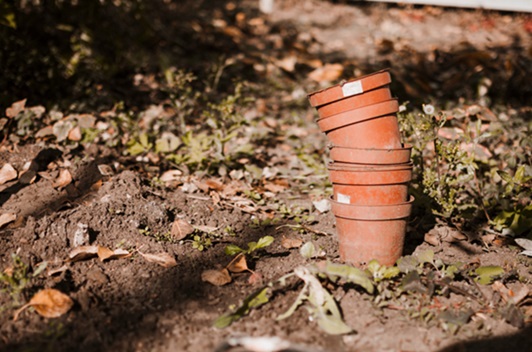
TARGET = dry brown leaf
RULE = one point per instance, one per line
(105, 170)
(181, 229)
(238, 264)
(292, 242)
(64, 179)
(49, 303)
(45, 132)
(327, 73)
(274, 187)
(15, 108)
(7, 173)
(214, 184)
(75, 134)
(6, 218)
(288, 63)
(163, 259)
(171, 176)
(105, 253)
(216, 277)
(82, 253)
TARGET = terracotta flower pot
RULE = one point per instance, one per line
(370, 184)
(371, 231)
(353, 87)
(355, 102)
(372, 126)
(371, 155)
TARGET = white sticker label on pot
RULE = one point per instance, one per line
(352, 88)
(343, 198)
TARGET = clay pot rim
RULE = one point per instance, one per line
(406, 146)
(338, 95)
(372, 212)
(357, 167)
(356, 101)
(369, 112)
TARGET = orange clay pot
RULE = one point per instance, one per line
(367, 232)
(370, 184)
(355, 102)
(353, 87)
(371, 155)
(372, 126)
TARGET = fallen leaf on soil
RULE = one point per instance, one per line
(206, 229)
(327, 73)
(105, 170)
(526, 244)
(64, 179)
(511, 296)
(322, 206)
(6, 218)
(105, 253)
(82, 253)
(238, 264)
(163, 259)
(216, 277)
(49, 303)
(181, 229)
(171, 175)
(292, 242)
(214, 184)
(15, 108)
(288, 63)
(75, 134)
(7, 173)
(274, 187)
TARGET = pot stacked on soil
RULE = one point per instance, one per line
(370, 169)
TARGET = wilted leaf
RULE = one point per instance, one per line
(308, 250)
(181, 229)
(15, 108)
(291, 242)
(238, 264)
(332, 324)
(347, 273)
(63, 180)
(82, 253)
(412, 283)
(163, 259)
(7, 173)
(49, 303)
(426, 256)
(6, 218)
(105, 253)
(407, 263)
(216, 277)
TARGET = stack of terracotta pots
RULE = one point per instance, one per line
(370, 169)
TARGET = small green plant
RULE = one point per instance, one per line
(201, 242)
(18, 277)
(263, 242)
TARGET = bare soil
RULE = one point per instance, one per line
(134, 305)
